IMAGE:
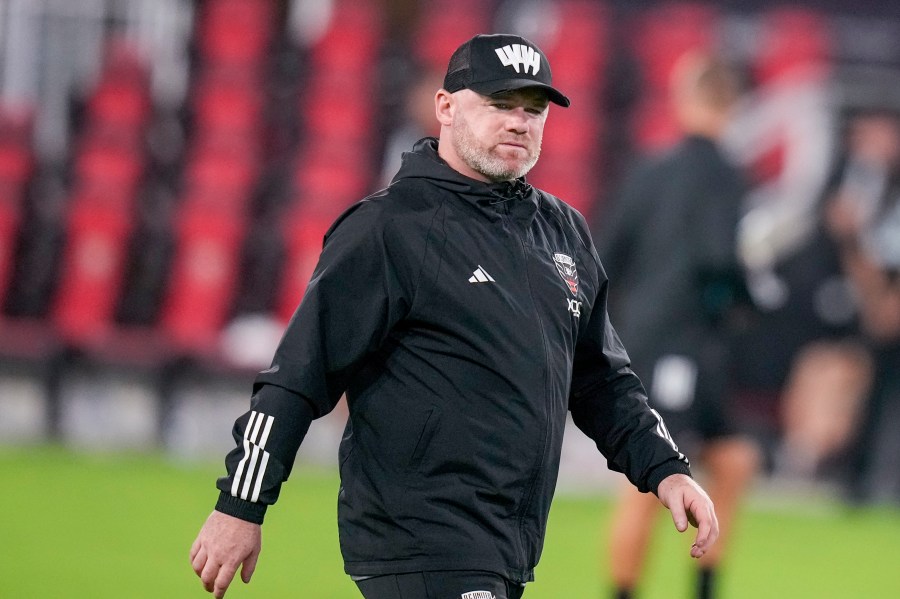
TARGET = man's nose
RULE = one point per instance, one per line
(517, 120)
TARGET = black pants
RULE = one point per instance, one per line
(452, 584)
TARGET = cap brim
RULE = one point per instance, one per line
(489, 88)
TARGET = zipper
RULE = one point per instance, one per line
(532, 486)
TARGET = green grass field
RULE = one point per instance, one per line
(76, 525)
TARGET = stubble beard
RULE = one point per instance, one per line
(480, 160)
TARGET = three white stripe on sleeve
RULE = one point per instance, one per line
(662, 431)
(254, 447)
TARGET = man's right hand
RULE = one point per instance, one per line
(224, 543)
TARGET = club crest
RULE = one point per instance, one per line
(566, 267)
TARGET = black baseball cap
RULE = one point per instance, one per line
(490, 64)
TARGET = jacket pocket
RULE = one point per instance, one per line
(426, 434)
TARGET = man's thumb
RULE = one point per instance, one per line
(249, 566)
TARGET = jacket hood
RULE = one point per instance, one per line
(423, 162)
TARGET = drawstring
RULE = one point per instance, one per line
(509, 190)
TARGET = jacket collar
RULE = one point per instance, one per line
(516, 198)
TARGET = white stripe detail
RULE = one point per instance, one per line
(259, 477)
(266, 429)
(236, 484)
(663, 432)
(249, 479)
(254, 446)
(265, 458)
(256, 426)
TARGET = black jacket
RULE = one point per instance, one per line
(462, 320)
(669, 245)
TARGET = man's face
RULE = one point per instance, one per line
(499, 136)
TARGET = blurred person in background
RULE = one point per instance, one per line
(669, 243)
(862, 215)
(417, 120)
(463, 311)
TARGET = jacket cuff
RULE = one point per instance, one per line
(240, 508)
(667, 468)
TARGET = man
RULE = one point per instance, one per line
(462, 312)
(669, 242)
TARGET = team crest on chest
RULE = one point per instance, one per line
(565, 265)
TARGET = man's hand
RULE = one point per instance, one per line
(690, 503)
(224, 543)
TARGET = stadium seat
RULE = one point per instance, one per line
(323, 180)
(303, 233)
(582, 47)
(352, 42)
(334, 162)
(570, 164)
(228, 100)
(235, 32)
(202, 278)
(572, 180)
(17, 162)
(325, 118)
(10, 219)
(116, 169)
(663, 34)
(231, 175)
(16, 165)
(444, 26)
(92, 269)
(120, 103)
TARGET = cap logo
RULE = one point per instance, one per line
(514, 55)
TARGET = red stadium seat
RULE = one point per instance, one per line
(582, 47)
(10, 218)
(235, 32)
(232, 175)
(229, 101)
(444, 26)
(121, 103)
(16, 164)
(352, 42)
(202, 279)
(92, 269)
(122, 61)
(573, 181)
(571, 154)
(351, 122)
(16, 155)
(115, 168)
(666, 32)
(323, 179)
(662, 35)
(335, 161)
(303, 233)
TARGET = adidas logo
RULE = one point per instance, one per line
(514, 55)
(481, 276)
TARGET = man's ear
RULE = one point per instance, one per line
(444, 105)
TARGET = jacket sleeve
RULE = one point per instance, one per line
(609, 404)
(355, 296)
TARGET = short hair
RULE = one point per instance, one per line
(714, 81)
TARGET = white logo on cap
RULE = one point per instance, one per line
(514, 55)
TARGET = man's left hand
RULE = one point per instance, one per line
(688, 502)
